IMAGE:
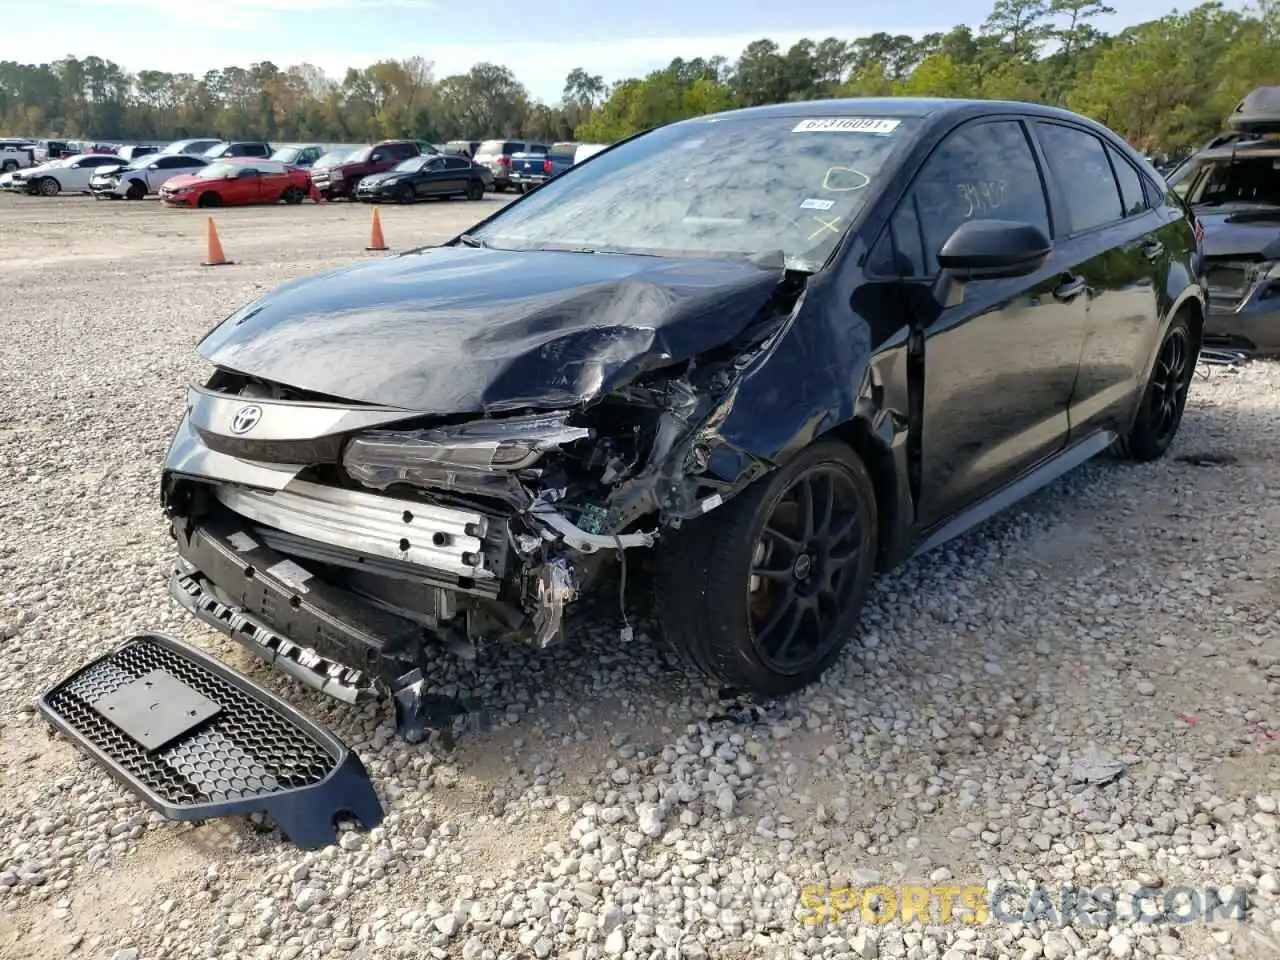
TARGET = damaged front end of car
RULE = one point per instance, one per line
(340, 540)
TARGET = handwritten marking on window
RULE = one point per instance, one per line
(845, 179)
(825, 224)
(981, 197)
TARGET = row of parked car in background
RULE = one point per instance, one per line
(208, 172)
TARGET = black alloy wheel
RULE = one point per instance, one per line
(1170, 381)
(799, 584)
(763, 592)
(1165, 398)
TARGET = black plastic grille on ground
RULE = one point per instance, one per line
(257, 753)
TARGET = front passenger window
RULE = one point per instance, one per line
(983, 171)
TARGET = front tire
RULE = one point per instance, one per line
(405, 194)
(475, 190)
(209, 199)
(763, 593)
(49, 187)
(294, 195)
(137, 190)
(1165, 398)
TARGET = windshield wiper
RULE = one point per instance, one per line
(471, 240)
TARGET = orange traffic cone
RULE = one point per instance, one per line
(376, 242)
(215, 257)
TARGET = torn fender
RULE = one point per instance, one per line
(459, 330)
(823, 368)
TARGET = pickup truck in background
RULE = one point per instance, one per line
(341, 179)
(16, 155)
(530, 170)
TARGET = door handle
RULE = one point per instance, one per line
(1070, 288)
(1152, 249)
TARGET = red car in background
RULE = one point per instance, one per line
(238, 182)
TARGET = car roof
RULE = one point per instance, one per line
(905, 107)
(1251, 148)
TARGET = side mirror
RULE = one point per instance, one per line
(988, 250)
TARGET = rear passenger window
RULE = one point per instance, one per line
(983, 171)
(1078, 161)
(1130, 184)
(1155, 195)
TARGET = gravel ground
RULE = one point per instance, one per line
(1084, 692)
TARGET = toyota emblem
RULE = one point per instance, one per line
(246, 419)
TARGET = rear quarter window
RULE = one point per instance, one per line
(1132, 197)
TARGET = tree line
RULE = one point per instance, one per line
(1165, 84)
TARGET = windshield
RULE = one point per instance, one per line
(287, 154)
(330, 159)
(215, 170)
(1240, 179)
(714, 188)
(360, 156)
(412, 165)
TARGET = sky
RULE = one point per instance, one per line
(539, 40)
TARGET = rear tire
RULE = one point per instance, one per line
(1164, 399)
(9, 166)
(763, 593)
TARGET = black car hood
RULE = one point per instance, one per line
(462, 330)
(1240, 231)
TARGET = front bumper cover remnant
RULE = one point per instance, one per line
(244, 750)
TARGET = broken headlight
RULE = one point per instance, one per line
(380, 457)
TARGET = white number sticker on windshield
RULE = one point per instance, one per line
(875, 125)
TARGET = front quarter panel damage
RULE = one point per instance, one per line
(728, 421)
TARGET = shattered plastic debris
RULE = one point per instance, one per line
(555, 589)
(1096, 767)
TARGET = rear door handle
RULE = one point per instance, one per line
(1070, 288)
(1152, 249)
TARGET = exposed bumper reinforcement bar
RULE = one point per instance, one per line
(196, 740)
(190, 588)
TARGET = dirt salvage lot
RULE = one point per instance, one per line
(1084, 692)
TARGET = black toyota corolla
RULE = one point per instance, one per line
(777, 349)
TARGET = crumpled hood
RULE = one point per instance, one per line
(454, 330)
(1241, 231)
